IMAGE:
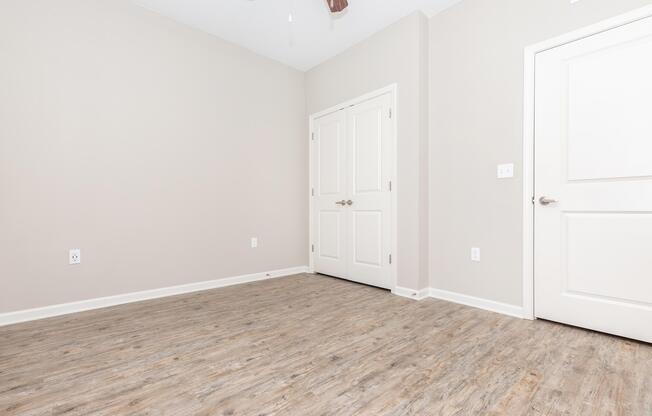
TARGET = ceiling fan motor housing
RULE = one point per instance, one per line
(337, 6)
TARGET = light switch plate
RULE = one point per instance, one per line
(505, 171)
(254, 242)
(475, 254)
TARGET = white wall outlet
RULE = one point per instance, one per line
(254, 242)
(74, 256)
(475, 254)
(505, 171)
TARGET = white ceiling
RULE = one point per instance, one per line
(314, 35)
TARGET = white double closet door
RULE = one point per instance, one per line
(593, 182)
(352, 167)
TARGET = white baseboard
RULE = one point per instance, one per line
(85, 305)
(489, 305)
(472, 301)
(411, 293)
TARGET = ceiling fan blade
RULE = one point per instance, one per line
(337, 6)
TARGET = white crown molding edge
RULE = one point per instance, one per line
(431, 11)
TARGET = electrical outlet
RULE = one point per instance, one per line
(254, 242)
(475, 254)
(505, 171)
(74, 256)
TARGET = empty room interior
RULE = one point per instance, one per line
(326, 207)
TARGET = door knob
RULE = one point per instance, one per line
(349, 202)
(544, 200)
(342, 202)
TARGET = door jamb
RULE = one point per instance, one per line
(393, 91)
(528, 136)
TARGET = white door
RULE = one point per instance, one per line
(593, 158)
(352, 200)
(330, 194)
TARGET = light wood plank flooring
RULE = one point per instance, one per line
(306, 345)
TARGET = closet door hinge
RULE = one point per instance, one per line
(390, 113)
(390, 259)
(313, 136)
(313, 248)
(390, 186)
(312, 192)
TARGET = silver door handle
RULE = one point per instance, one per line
(342, 202)
(349, 202)
(544, 200)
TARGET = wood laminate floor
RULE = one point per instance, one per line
(306, 345)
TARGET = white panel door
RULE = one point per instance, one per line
(353, 163)
(330, 194)
(369, 173)
(593, 153)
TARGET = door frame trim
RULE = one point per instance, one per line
(391, 89)
(529, 66)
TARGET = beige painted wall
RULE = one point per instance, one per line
(159, 150)
(156, 149)
(476, 107)
(398, 55)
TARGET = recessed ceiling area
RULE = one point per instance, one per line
(312, 36)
